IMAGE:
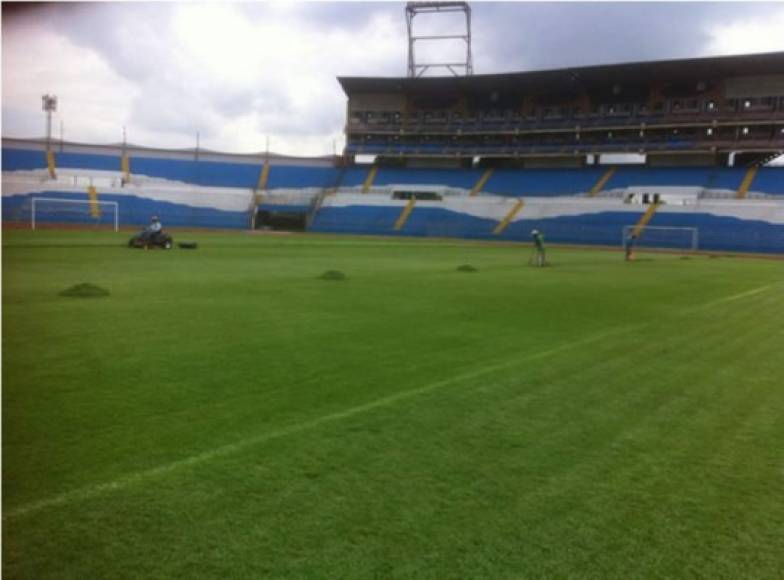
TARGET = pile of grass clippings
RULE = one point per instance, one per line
(467, 268)
(333, 275)
(85, 290)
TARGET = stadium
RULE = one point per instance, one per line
(353, 367)
(480, 157)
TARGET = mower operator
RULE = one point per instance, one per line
(151, 230)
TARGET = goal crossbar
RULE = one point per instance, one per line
(665, 235)
(111, 204)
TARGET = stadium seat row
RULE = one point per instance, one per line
(512, 182)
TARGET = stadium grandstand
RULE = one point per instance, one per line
(707, 108)
(480, 156)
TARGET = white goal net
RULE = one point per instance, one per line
(53, 210)
(663, 237)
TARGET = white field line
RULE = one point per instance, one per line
(91, 491)
(734, 297)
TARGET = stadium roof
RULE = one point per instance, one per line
(682, 70)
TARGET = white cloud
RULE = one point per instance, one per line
(90, 94)
(235, 74)
(752, 34)
(241, 72)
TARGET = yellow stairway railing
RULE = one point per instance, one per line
(50, 164)
(646, 217)
(743, 189)
(92, 195)
(264, 176)
(482, 181)
(504, 223)
(371, 176)
(125, 167)
(401, 221)
(602, 182)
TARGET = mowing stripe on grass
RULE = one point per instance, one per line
(91, 491)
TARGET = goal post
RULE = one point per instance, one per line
(663, 237)
(74, 211)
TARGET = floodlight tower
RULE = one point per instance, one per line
(49, 105)
(412, 9)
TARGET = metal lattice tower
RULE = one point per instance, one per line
(412, 9)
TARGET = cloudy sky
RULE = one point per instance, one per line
(241, 73)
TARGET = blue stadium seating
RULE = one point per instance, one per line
(23, 159)
(727, 233)
(511, 182)
(301, 176)
(357, 219)
(680, 176)
(543, 182)
(87, 161)
(769, 180)
(715, 232)
(354, 176)
(438, 222)
(726, 178)
(201, 172)
(464, 178)
(135, 211)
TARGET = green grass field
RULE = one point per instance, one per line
(225, 413)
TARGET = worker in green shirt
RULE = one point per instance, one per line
(538, 257)
(631, 240)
